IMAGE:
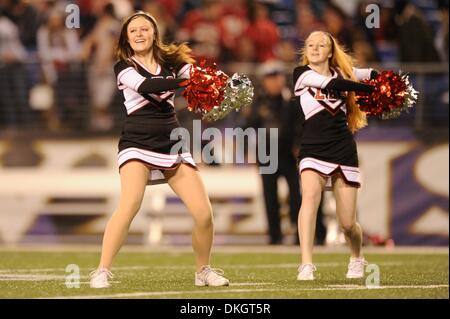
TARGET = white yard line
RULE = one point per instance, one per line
(251, 283)
(243, 266)
(21, 277)
(176, 249)
(231, 284)
(227, 291)
(31, 270)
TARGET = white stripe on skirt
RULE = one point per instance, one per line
(158, 160)
(351, 174)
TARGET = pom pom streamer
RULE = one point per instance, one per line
(205, 88)
(393, 95)
(238, 93)
(213, 94)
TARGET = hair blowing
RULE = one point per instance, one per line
(169, 55)
(343, 62)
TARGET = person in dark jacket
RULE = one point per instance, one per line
(275, 108)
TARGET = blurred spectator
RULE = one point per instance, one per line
(283, 14)
(285, 51)
(166, 23)
(365, 37)
(262, 31)
(98, 51)
(178, 8)
(386, 44)
(275, 108)
(88, 16)
(441, 39)
(416, 45)
(122, 8)
(200, 28)
(14, 110)
(363, 52)
(58, 49)
(244, 50)
(233, 24)
(306, 23)
(414, 35)
(336, 22)
(27, 19)
(348, 7)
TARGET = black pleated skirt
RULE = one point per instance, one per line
(330, 158)
(148, 140)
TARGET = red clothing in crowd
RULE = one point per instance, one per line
(264, 34)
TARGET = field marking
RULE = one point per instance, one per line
(242, 266)
(231, 284)
(226, 291)
(344, 286)
(88, 283)
(176, 249)
(28, 277)
(81, 268)
(251, 283)
(356, 287)
(20, 277)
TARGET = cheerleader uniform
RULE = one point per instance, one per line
(151, 117)
(327, 145)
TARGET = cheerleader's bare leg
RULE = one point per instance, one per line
(312, 186)
(346, 196)
(133, 178)
(188, 185)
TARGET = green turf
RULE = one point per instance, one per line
(253, 275)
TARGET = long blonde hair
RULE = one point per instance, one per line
(169, 55)
(343, 63)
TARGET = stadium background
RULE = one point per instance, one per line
(60, 117)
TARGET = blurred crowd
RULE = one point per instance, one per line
(62, 78)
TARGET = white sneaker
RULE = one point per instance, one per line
(356, 267)
(99, 278)
(306, 272)
(210, 277)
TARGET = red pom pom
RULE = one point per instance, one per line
(389, 96)
(205, 88)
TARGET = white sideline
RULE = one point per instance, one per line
(27, 277)
(11, 271)
(225, 291)
(283, 249)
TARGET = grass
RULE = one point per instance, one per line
(253, 274)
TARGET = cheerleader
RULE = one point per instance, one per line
(148, 72)
(324, 86)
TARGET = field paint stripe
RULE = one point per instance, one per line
(28, 277)
(21, 277)
(11, 270)
(374, 287)
(285, 265)
(243, 266)
(251, 283)
(231, 284)
(168, 293)
(81, 268)
(159, 293)
(163, 248)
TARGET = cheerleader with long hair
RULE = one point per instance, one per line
(148, 72)
(325, 85)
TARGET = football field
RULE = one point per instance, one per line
(254, 272)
